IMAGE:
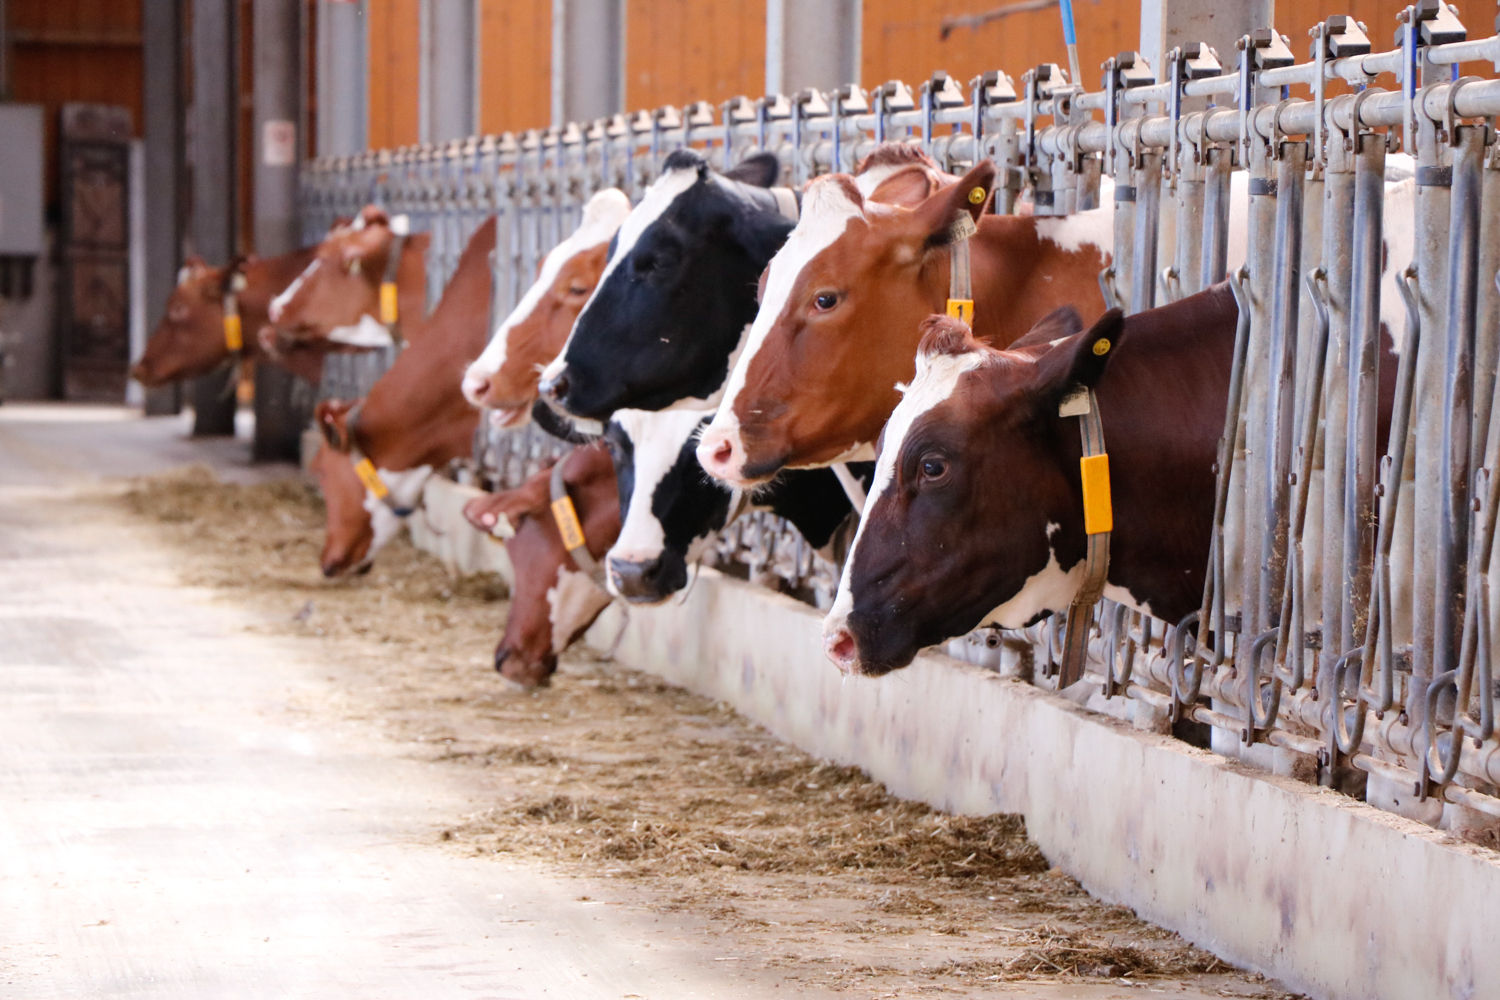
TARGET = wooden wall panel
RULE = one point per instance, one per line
(515, 64)
(395, 72)
(76, 50)
(905, 41)
(679, 51)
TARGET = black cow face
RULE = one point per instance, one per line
(677, 294)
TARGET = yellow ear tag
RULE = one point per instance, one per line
(977, 195)
(1101, 347)
(962, 309)
(365, 469)
(234, 332)
(1098, 507)
(566, 516)
(388, 310)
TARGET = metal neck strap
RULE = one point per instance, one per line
(565, 515)
(1098, 522)
(365, 469)
(960, 273)
(787, 202)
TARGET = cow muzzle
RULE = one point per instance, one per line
(646, 581)
(722, 456)
(840, 646)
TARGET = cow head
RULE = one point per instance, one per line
(337, 296)
(552, 602)
(504, 378)
(833, 334)
(677, 292)
(358, 524)
(975, 516)
(189, 340)
(669, 509)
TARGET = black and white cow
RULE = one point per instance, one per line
(670, 509)
(678, 292)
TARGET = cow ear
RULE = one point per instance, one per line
(372, 215)
(1061, 322)
(760, 170)
(938, 213)
(1081, 360)
(909, 186)
(332, 415)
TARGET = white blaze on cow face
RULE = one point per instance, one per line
(935, 381)
(279, 303)
(602, 218)
(659, 197)
(827, 211)
(656, 442)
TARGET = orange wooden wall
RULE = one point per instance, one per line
(395, 71)
(679, 51)
(515, 64)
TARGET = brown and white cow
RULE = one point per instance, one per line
(553, 600)
(191, 339)
(504, 378)
(414, 421)
(337, 295)
(976, 513)
(869, 259)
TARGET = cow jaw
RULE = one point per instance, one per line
(826, 214)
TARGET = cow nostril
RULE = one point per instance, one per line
(557, 386)
(841, 649)
(477, 387)
(330, 570)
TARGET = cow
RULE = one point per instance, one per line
(192, 338)
(338, 296)
(504, 378)
(414, 420)
(836, 328)
(976, 512)
(671, 511)
(677, 292)
(553, 600)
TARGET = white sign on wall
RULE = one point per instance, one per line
(279, 143)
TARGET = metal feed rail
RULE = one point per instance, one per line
(1347, 628)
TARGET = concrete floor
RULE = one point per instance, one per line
(172, 826)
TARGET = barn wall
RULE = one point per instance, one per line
(678, 51)
(515, 64)
(76, 50)
(395, 72)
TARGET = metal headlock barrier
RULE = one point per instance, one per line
(1347, 627)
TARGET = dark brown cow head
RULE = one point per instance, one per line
(338, 294)
(834, 333)
(974, 517)
(553, 602)
(189, 340)
(504, 378)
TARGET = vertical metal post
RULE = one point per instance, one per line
(1147, 182)
(811, 43)
(1256, 445)
(277, 135)
(448, 80)
(212, 157)
(1363, 374)
(1338, 234)
(588, 59)
(343, 87)
(162, 37)
(1220, 165)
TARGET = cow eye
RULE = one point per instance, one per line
(645, 263)
(825, 301)
(577, 290)
(934, 467)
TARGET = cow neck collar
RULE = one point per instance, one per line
(565, 515)
(234, 327)
(1098, 522)
(960, 270)
(366, 471)
(390, 300)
